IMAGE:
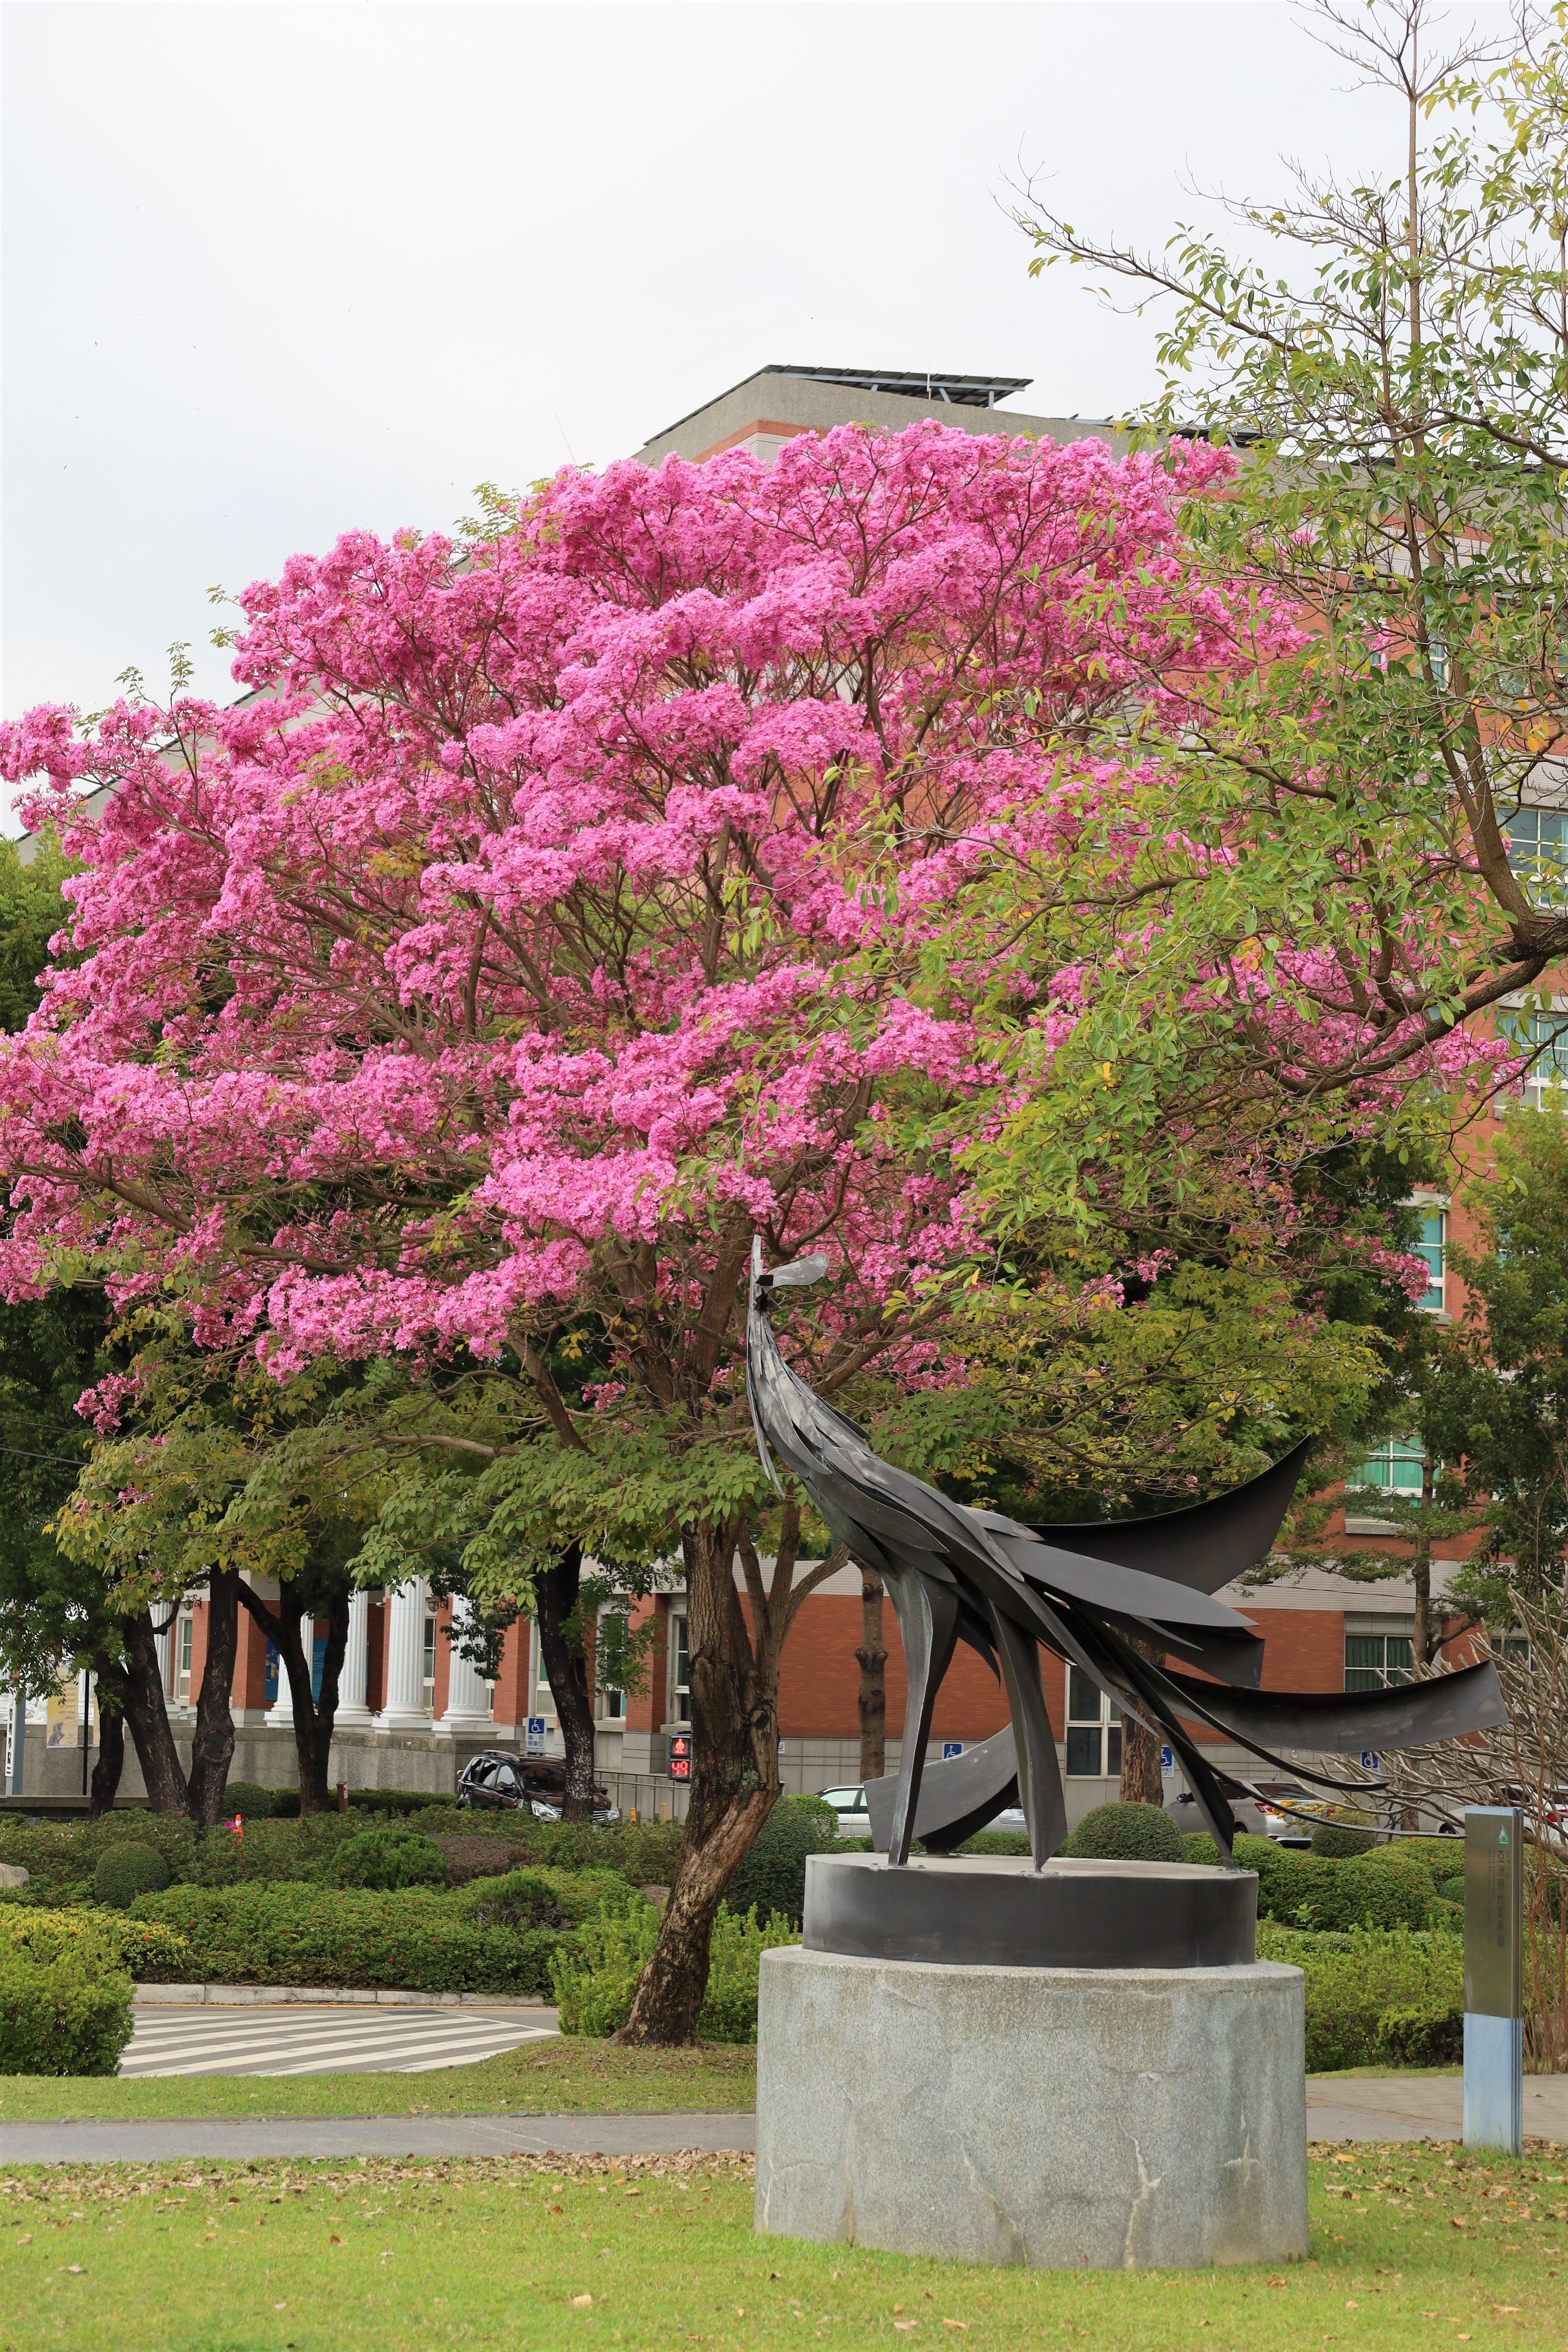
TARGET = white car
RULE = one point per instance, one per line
(849, 1805)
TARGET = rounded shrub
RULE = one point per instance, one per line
(1452, 1890)
(67, 2017)
(771, 1877)
(389, 1856)
(1126, 1832)
(249, 1800)
(1339, 1839)
(124, 1872)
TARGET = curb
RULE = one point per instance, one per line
(222, 1996)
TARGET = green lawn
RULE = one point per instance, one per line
(1409, 2249)
(552, 2077)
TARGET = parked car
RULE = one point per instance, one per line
(1280, 1810)
(855, 1821)
(849, 1805)
(496, 1781)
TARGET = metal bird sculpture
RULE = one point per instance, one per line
(1089, 1593)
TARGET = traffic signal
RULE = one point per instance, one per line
(681, 1756)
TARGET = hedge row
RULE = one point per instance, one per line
(62, 1858)
(105, 1941)
(1392, 1886)
(1357, 1979)
(496, 1934)
(61, 2017)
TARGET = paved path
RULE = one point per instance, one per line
(325, 2040)
(164, 2143)
(1422, 2107)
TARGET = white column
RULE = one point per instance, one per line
(405, 1708)
(353, 1682)
(468, 1693)
(165, 1645)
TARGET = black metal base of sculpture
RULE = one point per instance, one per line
(999, 1911)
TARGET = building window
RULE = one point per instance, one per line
(183, 1635)
(543, 1696)
(1547, 1076)
(1430, 1246)
(1538, 851)
(679, 1669)
(427, 1668)
(1392, 1468)
(1094, 1730)
(1514, 1647)
(612, 1702)
(1377, 1660)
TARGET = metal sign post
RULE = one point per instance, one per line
(1494, 2013)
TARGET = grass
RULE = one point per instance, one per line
(566, 2076)
(1409, 2249)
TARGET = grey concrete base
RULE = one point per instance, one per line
(1067, 2118)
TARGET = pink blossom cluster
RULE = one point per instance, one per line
(549, 910)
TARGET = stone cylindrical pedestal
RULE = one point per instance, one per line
(1067, 2118)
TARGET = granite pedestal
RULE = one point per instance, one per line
(1082, 2116)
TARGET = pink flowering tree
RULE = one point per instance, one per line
(564, 907)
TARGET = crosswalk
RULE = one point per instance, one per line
(297, 2040)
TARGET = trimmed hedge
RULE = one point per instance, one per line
(62, 2017)
(294, 1935)
(390, 1856)
(249, 1800)
(996, 1841)
(595, 1975)
(1421, 2037)
(1339, 1840)
(771, 1876)
(537, 1897)
(1126, 1832)
(104, 1940)
(1317, 1893)
(1354, 1979)
(127, 1870)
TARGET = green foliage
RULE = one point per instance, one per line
(996, 1841)
(390, 1856)
(541, 1897)
(389, 1801)
(251, 1802)
(1421, 2037)
(1498, 1405)
(105, 1941)
(1127, 1832)
(62, 2017)
(1340, 1839)
(410, 1940)
(771, 1876)
(127, 1870)
(595, 1974)
(1353, 1978)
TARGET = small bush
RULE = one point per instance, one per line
(61, 2017)
(285, 1804)
(1127, 1832)
(595, 1973)
(996, 1841)
(1339, 1840)
(534, 1897)
(1421, 2037)
(388, 1856)
(1452, 1890)
(771, 1876)
(127, 1870)
(249, 1800)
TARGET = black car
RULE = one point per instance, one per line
(496, 1780)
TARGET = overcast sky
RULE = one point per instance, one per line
(274, 270)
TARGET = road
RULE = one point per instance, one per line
(296, 2039)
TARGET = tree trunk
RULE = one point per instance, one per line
(872, 1660)
(212, 1750)
(566, 1672)
(1141, 1783)
(137, 1686)
(314, 1718)
(111, 1761)
(734, 1782)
